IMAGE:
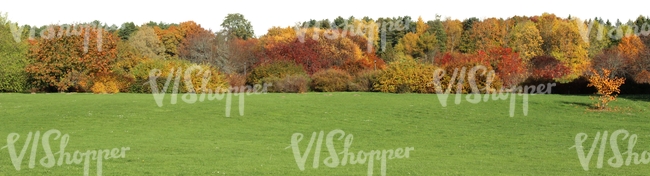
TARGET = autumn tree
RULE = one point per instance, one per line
(199, 47)
(170, 39)
(318, 50)
(127, 57)
(598, 37)
(526, 40)
(366, 30)
(545, 25)
(547, 68)
(420, 45)
(563, 40)
(188, 28)
(636, 58)
(244, 54)
(453, 29)
(408, 46)
(509, 66)
(631, 47)
(147, 43)
(238, 26)
(643, 72)
(68, 59)
(606, 85)
(612, 60)
(487, 34)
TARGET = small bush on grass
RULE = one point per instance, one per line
(214, 79)
(236, 80)
(365, 81)
(608, 87)
(330, 80)
(278, 69)
(288, 84)
(406, 76)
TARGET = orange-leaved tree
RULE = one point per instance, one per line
(607, 87)
(71, 57)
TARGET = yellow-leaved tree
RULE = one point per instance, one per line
(607, 87)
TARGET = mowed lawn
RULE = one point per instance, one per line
(198, 139)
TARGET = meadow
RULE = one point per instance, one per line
(198, 139)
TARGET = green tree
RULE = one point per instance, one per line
(598, 39)
(438, 29)
(339, 22)
(13, 59)
(126, 30)
(420, 45)
(467, 45)
(238, 26)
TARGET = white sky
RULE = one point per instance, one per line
(265, 14)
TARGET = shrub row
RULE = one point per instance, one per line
(179, 69)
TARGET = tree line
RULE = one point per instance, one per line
(396, 54)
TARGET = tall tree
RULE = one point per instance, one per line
(545, 25)
(126, 30)
(438, 29)
(526, 41)
(199, 47)
(147, 43)
(636, 58)
(238, 26)
(420, 45)
(170, 38)
(243, 54)
(567, 45)
(72, 60)
(467, 44)
(454, 30)
(487, 34)
(631, 47)
(598, 39)
(13, 58)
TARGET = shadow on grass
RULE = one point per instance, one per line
(637, 97)
(586, 105)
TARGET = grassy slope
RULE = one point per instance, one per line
(197, 139)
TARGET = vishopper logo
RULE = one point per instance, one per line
(206, 93)
(49, 160)
(617, 160)
(476, 97)
(615, 33)
(344, 157)
(65, 30)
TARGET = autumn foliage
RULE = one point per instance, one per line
(547, 68)
(346, 52)
(607, 87)
(341, 55)
(72, 57)
(330, 80)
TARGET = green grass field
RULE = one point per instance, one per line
(198, 139)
